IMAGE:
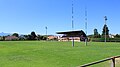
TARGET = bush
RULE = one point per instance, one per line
(103, 39)
(97, 39)
(114, 39)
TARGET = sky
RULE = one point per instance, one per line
(25, 16)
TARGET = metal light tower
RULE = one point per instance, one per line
(105, 26)
(46, 30)
(72, 22)
(86, 25)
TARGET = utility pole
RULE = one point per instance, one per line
(105, 26)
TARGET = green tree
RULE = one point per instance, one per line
(25, 37)
(38, 37)
(117, 36)
(96, 34)
(15, 34)
(44, 37)
(33, 36)
(3, 38)
(105, 28)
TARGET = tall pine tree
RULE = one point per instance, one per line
(105, 28)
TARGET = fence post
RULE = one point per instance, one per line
(113, 62)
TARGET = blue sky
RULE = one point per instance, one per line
(24, 16)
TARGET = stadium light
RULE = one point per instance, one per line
(105, 26)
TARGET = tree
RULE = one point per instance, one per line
(33, 36)
(96, 34)
(38, 37)
(105, 28)
(15, 34)
(3, 38)
(26, 37)
(22, 37)
(117, 36)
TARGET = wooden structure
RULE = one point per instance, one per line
(97, 62)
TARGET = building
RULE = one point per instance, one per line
(111, 36)
(52, 37)
(11, 38)
(70, 35)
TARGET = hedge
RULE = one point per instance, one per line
(103, 39)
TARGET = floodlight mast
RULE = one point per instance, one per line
(105, 26)
(72, 22)
(46, 31)
(86, 25)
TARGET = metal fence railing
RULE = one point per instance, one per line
(97, 62)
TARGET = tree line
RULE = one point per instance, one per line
(105, 31)
(31, 36)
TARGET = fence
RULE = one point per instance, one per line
(103, 39)
(112, 64)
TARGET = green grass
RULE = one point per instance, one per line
(53, 54)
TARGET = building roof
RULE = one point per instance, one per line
(67, 32)
(11, 38)
(77, 33)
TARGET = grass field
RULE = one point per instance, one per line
(53, 54)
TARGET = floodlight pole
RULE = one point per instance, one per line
(105, 27)
(72, 22)
(46, 31)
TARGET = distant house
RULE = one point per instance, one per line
(1, 38)
(52, 37)
(11, 38)
(111, 36)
